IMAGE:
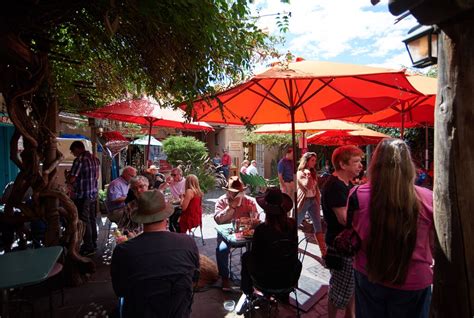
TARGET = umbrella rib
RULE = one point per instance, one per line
(388, 85)
(274, 99)
(348, 98)
(316, 92)
(300, 97)
(212, 109)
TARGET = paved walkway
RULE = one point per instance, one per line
(97, 299)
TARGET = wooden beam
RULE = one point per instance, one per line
(453, 294)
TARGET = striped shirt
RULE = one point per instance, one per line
(86, 170)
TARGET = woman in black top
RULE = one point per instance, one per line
(273, 261)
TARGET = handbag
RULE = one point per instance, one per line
(333, 259)
(348, 242)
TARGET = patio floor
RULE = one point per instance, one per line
(97, 299)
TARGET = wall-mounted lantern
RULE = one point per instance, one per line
(422, 46)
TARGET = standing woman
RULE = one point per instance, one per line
(309, 197)
(191, 205)
(393, 268)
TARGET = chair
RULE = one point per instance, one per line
(193, 230)
(287, 251)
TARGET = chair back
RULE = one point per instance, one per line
(285, 276)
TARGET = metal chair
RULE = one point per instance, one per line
(270, 295)
(193, 230)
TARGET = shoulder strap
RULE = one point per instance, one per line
(352, 206)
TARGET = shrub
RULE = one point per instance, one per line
(192, 156)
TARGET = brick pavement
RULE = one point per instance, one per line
(96, 298)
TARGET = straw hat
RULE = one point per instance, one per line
(275, 202)
(235, 185)
(152, 169)
(152, 207)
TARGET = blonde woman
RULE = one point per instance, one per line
(393, 268)
(309, 198)
(244, 166)
(191, 204)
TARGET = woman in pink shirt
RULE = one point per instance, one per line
(393, 268)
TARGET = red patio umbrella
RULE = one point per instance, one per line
(147, 112)
(305, 91)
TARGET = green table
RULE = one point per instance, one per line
(24, 268)
(228, 236)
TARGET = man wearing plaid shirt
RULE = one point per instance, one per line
(83, 176)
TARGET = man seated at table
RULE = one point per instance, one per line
(118, 189)
(176, 182)
(154, 271)
(230, 206)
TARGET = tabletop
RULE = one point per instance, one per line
(27, 267)
(227, 233)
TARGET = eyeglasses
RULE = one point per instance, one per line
(173, 174)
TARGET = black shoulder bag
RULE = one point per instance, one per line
(347, 243)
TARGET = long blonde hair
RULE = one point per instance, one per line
(394, 209)
(192, 182)
(304, 162)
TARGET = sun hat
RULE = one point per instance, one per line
(152, 207)
(235, 185)
(273, 201)
(152, 168)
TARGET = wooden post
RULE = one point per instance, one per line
(50, 203)
(453, 294)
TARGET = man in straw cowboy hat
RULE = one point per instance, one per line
(154, 271)
(231, 206)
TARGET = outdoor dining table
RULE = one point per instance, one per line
(24, 268)
(229, 237)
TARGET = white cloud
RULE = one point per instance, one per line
(348, 30)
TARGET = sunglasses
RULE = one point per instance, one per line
(173, 174)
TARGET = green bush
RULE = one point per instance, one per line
(192, 156)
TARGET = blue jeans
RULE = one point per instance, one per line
(225, 170)
(375, 300)
(222, 257)
(312, 207)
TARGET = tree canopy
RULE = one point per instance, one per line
(103, 50)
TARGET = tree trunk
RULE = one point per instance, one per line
(453, 294)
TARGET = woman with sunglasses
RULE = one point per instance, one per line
(309, 197)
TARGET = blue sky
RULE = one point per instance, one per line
(346, 31)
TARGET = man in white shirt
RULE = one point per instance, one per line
(176, 183)
(252, 169)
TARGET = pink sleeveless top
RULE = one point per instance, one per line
(420, 271)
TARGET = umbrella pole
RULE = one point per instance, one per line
(426, 149)
(402, 128)
(293, 139)
(148, 146)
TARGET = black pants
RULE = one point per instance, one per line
(174, 224)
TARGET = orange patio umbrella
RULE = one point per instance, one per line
(414, 112)
(147, 112)
(364, 136)
(314, 126)
(303, 92)
(311, 127)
